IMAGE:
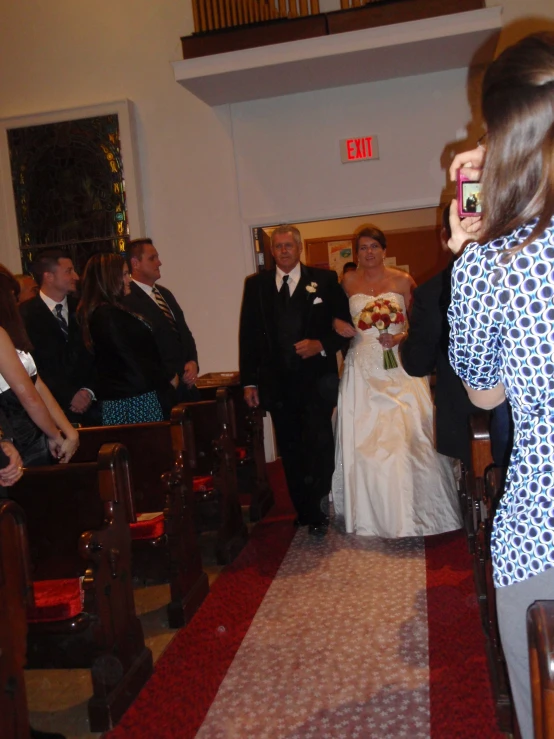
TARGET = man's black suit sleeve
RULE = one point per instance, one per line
(332, 341)
(419, 351)
(249, 345)
(187, 339)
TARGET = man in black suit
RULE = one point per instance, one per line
(59, 352)
(426, 350)
(288, 366)
(158, 305)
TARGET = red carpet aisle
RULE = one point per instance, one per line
(338, 647)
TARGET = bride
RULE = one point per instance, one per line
(389, 481)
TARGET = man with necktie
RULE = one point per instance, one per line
(159, 307)
(62, 360)
(288, 365)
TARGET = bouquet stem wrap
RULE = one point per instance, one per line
(389, 360)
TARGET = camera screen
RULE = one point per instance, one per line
(471, 197)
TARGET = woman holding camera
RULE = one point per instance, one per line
(502, 327)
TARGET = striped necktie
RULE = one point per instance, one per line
(164, 307)
(61, 320)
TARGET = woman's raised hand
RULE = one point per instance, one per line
(470, 163)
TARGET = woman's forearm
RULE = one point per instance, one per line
(22, 386)
(54, 410)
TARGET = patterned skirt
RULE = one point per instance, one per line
(144, 408)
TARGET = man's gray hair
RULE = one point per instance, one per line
(285, 229)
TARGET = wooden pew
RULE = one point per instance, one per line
(162, 483)
(78, 526)
(483, 487)
(248, 432)
(15, 593)
(540, 634)
(212, 459)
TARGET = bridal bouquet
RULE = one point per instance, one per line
(380, 313)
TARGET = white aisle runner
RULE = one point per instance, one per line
(338, 648)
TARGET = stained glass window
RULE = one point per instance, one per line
(69, 188)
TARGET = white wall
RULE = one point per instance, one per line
(209, 174)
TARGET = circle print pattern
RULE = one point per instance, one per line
(502, 330)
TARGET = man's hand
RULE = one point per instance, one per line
(10, 474)
(251, 397)
(308, 348)
(190, 374)
(81, 401)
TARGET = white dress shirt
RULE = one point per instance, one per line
(149, 290)
(53, 303)
(294, 278)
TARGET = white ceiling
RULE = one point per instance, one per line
(400, 50)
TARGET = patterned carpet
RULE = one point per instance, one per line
(340, 637)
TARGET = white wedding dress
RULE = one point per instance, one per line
(389, 481)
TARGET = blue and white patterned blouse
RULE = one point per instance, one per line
(502, 330)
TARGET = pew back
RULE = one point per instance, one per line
(78, 524)
(15, 592)
(540, 634)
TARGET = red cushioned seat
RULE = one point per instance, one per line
(203, 484)
(56, 600)
(148, 526)
(241, 453)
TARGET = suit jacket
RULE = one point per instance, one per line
(259, 351)
(64, 366)
(176, 347)
(425, 350)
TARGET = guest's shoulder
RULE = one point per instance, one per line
(30, 307)
(323, 276)
(434, 286)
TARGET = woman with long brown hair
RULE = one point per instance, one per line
(130, 375)
(38, 424)
(502, 327)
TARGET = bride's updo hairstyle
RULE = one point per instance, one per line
(371, 232)
(518, 108)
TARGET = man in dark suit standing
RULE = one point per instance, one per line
(62, 360)
(288, 366)
(158, 305)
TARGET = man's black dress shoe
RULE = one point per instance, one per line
(318, 529)
(298, 522)
(36, 734)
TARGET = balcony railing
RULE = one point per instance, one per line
(212, 15)
(229, 25)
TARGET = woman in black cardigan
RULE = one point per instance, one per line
(132, 383)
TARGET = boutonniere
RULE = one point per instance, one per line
(312, 287)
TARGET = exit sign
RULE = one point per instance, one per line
(359, 149)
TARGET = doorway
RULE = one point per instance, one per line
(413, 241)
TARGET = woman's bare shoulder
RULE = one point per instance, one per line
(401, 278)
(349, 282)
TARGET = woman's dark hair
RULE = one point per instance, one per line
(102, 284)
(518, 108)
(10, 318)
(371, 232)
